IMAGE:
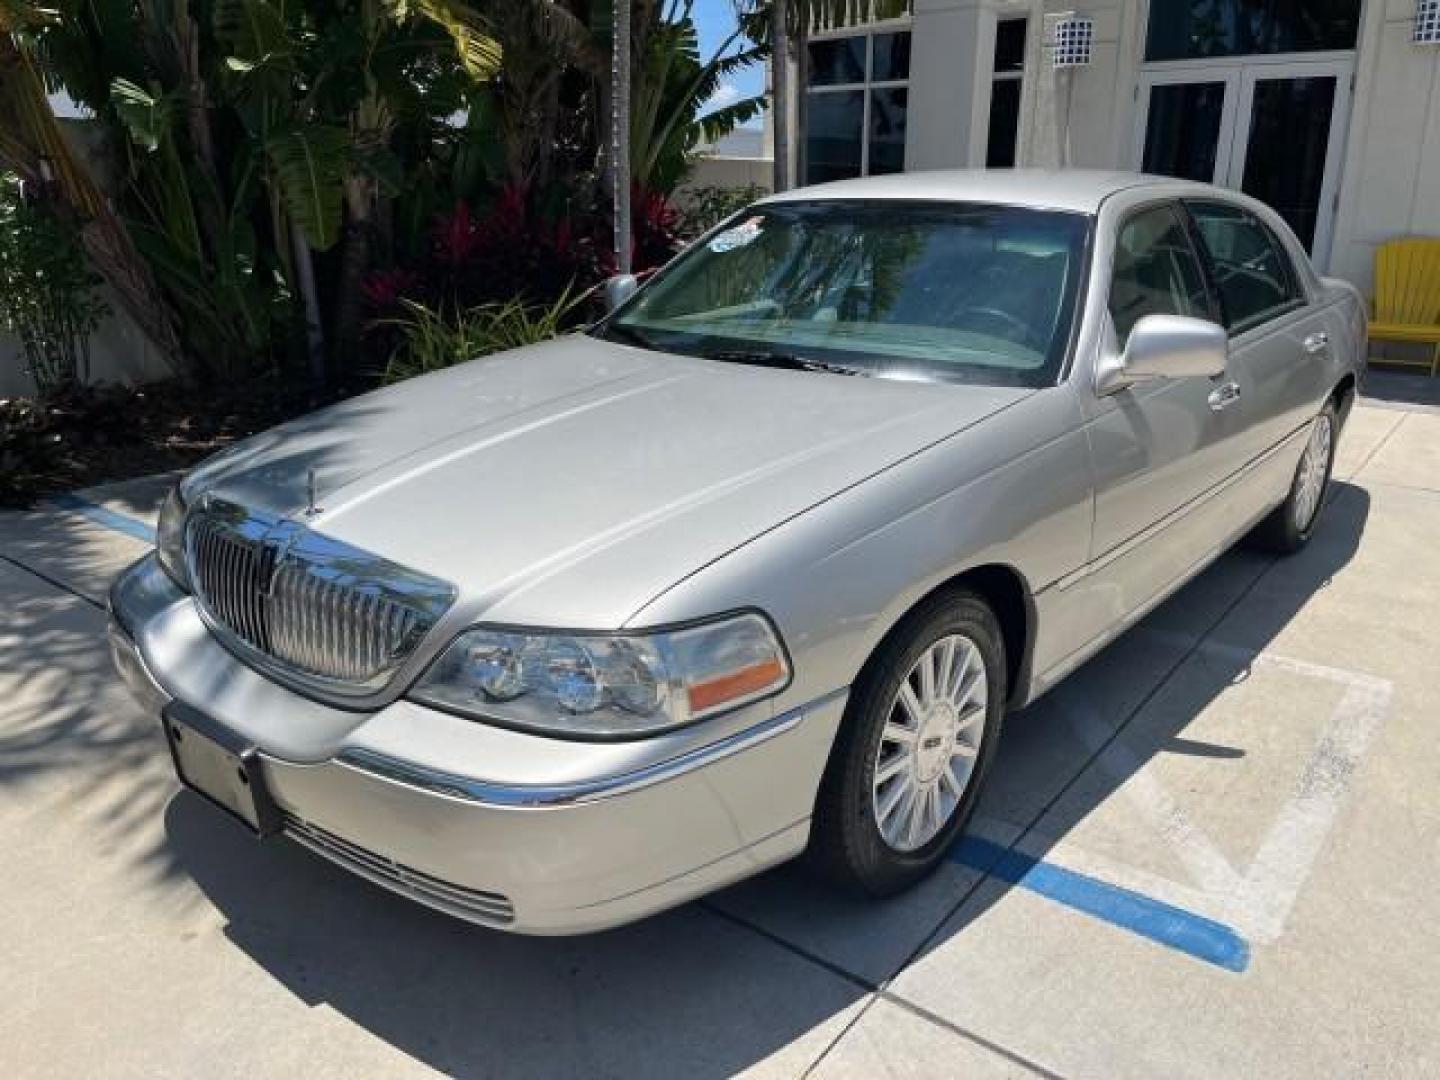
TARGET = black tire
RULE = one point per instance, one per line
(1281, 532)
(846, 842)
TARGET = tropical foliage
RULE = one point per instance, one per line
(282, 174)
(429, 340)
(48, 293)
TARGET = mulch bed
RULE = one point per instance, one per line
(90, 435)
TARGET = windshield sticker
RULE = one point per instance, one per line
(747, 232)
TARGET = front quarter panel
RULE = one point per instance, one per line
(1013, 490)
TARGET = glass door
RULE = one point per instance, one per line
(1187, 123)
(1288, 139)
(1271, 128)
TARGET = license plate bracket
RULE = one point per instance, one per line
(220, 767)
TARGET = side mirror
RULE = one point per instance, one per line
(1166, 346)
(618, 289)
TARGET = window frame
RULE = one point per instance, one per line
(1295, 287)
(1214, 309)
(865, 86)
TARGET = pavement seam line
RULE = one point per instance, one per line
(53, 582)
(979, 1040)
(840, 1035)
(1354, 474)
(833, 968)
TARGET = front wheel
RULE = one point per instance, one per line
(917, 739)
(1292, 523)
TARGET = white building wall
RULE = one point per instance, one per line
(1391, 182)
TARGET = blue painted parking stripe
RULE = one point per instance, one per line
(1174, 927)
(104, 516)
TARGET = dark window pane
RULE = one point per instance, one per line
(1004, 123)
(1010, 45)
(1250, 269)
(1183, 130)
(1155, 272)
(833, 124)
(891, 58)
(1289, 138)
(887, 130)
(1186, 29)
(837, 60)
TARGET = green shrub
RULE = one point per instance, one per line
(429, 339)
(48, 293)
(704, 207)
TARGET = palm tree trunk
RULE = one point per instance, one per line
(780, 91)
(620, 133)
(310, 305)
(354, 259)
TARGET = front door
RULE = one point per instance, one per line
(1271, 128)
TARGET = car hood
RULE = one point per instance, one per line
(570, 483)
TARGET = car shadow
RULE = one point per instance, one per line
(695, 992)
(681, 994)
(1140, 699)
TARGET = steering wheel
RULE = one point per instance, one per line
(1027, 334)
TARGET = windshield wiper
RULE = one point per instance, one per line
(789, 361)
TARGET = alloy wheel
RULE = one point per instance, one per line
(930, 743)
(1314, 468)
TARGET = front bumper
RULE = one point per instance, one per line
(512, 830)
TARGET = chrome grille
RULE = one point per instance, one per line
(467, 903)
(319, 609)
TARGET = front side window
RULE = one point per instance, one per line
(1156, 271)
(1251, 270)
(855, 105)
(959, 292)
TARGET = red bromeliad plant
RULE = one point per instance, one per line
(522, 247)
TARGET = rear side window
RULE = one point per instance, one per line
(1156, 271)
(1251, 269)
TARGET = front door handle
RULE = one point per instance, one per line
(1317, 342)
(1224, 395)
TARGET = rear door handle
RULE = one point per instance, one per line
(1224, 395)
(1317, 342)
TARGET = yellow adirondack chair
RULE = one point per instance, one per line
(1407, 295)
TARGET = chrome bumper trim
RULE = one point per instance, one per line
(477, 905)
(515, 796)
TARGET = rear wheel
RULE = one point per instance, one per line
(1292, 523)
(918, 736)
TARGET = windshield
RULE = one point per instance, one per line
(963, 292)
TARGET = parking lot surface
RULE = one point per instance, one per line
(1213, 851)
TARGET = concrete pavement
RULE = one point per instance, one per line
(1212, 851)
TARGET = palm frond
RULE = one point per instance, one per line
(147, 116)
(310, 164)
(471, 33)
(718, 123)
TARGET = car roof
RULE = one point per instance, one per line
(1078, 190)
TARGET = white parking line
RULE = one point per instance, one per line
(1258, 901)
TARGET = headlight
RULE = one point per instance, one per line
(607, 685)
(170, 537)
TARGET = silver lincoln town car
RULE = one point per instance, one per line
(757, 564)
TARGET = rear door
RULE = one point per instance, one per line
(1280, 344)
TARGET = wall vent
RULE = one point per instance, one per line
(1427, 23)
(1072, 39)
